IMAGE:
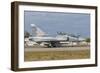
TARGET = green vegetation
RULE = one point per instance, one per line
(26, 34)
(87, 40)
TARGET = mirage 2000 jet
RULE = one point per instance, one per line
(41, 37)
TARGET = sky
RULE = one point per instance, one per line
(53, 22)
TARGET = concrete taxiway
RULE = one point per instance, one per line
(57, 49)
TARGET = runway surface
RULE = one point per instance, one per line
(57, 49)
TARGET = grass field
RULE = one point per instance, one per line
(56, 55)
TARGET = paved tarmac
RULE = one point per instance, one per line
(57, 49)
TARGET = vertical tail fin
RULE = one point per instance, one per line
(37, 31)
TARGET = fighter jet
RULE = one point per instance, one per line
(40, 37)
